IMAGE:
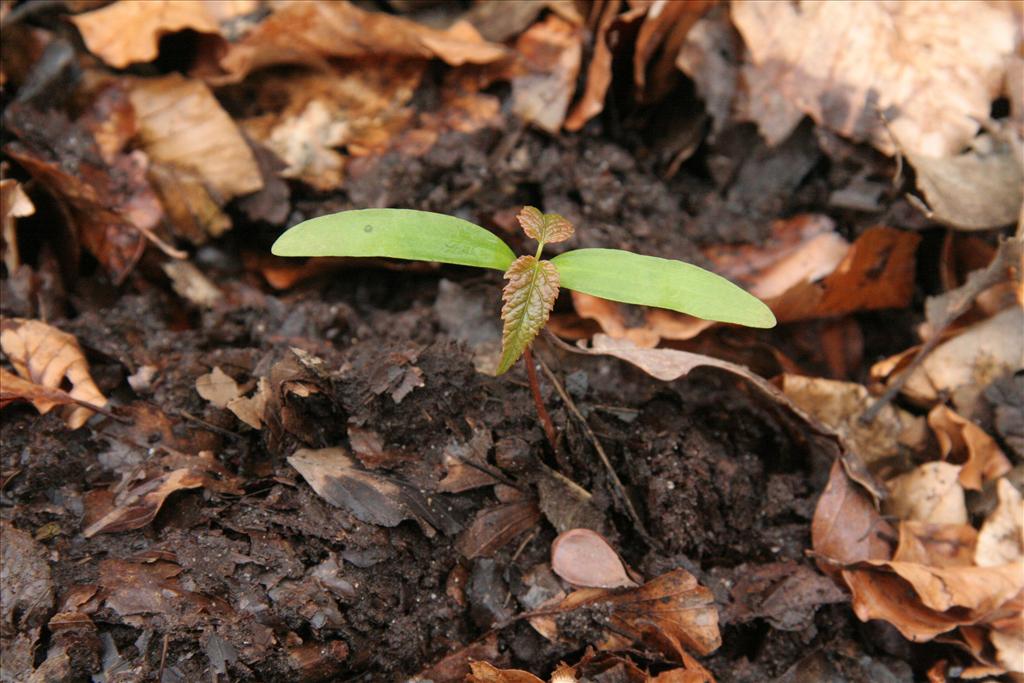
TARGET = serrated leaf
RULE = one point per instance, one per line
(529, 297)
(546, 228)
(396, 233)
(651, 281)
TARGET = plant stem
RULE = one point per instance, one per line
(542, 412)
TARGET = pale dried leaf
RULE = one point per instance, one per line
(252, 409)
(482, 672)
(936, 67)
(190, 283)
(182, 124)
(964, 443)
(980, 189)
(1001, 539)
(585, 559)
(47, 356)
(14, 204)
(528, 299)
(217, 387)
(125, 33)
(929, 493)
(1009, 649)
(709, 55)
(551, 53)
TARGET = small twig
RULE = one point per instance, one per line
(101, 410)
(620, 490)
(163, 657)
(542, 412)
(960, 301)
(209, 427)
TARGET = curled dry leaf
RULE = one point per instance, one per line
(938, 66)
(311, 32)
(182, 124)
(929, 493)
(980, 189)
(599, 72)
(14, 204)
(125, 33)
(672, 612)
(964, 443)
(47, 357)
(496, 526)
(217, 387)
(936, 545)
(252, 409)
(584, 558)
(482, 672)
(1001, 539)
(140, 505)
(551, 52)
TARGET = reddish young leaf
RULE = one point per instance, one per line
(529, 297)
(546, 228)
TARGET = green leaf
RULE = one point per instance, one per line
(396, 233)
(529, 297)
(651, 281)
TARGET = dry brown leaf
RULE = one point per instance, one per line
(14, 204)
(482, 672)
(1001, 539)
(496, 526)
(664, 28)
(48, 357)
(311, 32)
(1009, 650)
(140, 505)
(936, 67)
(929, 493)
(981, 590)
(124, 33)
(217, 387)
(192, 211)
(190, 283)
(182, 124)
(672, 612)
(585, 559)
(252, 409)
(969, 361)
(710, 56)
(551, 52)
(964, 443)
(936, 545)
(846, 527)
(839, 405)
(884, 595)
(599, 72)
(455, 667)
(980, 189)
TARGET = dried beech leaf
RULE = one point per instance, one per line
(47, 356)
(529, 297)
(585, 559)
(599, 72)
(936, 66)
(964, 443)
(936, 545)
(252, 409)
(929, 493)
(546, 228)
(125, 33)
(217, 387)
(672, 612)
(182, 124)
(883, 595)
(1001, 539)
(981, 590)
(551, 52)
(482, 672)
(372, 498)
(496, 526)
(143, 502)
(846, 527)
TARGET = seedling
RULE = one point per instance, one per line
(532, 282)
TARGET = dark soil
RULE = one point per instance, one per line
(271, 582)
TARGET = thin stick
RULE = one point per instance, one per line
(620, 490)
(542, 412)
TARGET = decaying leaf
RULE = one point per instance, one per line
(551, 52)
(964, 443)
(496, 526)
(48, 357)
(935, 66)
(140, 505)
(182, 124)
(786, 594)
(980, 189)
(372, 498)
(546, 228)
(1001, 539)
(125, 33)
(585, 559)
(26, 596)
(672, 612)
(528, 299)
(929, 493)
(599, 72)
(311, 32)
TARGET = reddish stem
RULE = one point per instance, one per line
(542, 412)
